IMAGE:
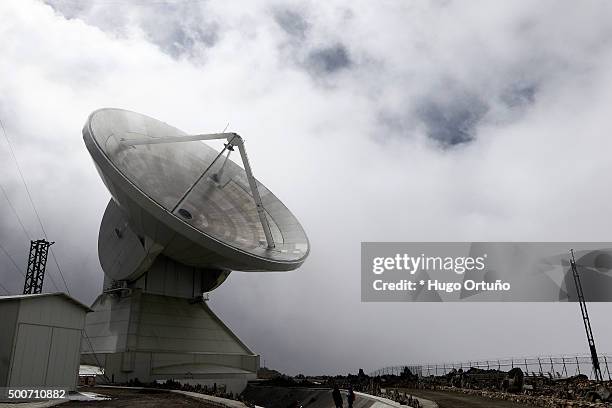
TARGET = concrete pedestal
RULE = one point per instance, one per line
(151, 337)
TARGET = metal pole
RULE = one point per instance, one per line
(585, 319)
(540, 364)
(197, 181)
(255, 191)
(552, 367)
(175, 139)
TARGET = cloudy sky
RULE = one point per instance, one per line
(372, 121)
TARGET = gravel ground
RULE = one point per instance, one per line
(137, 398)
(456, 400)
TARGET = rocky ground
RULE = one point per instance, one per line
(453, 397)
(446, 399)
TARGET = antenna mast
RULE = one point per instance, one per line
(37, 263)
(585, 319)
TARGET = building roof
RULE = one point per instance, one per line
(39, 295)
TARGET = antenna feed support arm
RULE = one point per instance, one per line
(237, 141)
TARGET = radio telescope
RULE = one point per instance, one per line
(182, 216)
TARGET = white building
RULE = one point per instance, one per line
(40, 340)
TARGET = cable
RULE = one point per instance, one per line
(26, 233)
(10, 145)
(23, 228)
(12, 260)
(95, 355)
(25, 184)
(59, 269)
(3, 249)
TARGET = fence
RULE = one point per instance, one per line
(554, 367)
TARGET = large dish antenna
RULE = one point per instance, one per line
(175, 196)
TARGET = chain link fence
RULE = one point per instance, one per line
(549, 366)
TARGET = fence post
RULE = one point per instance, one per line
(552, 367)
(540, 364)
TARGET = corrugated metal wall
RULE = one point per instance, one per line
(8, 324)
(45, 350)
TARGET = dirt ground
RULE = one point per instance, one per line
(457, 400)
(137, 398)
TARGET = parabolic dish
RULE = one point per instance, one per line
(217, 225)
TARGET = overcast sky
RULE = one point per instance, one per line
(372, 121)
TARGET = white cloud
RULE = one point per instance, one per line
(347, 150)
